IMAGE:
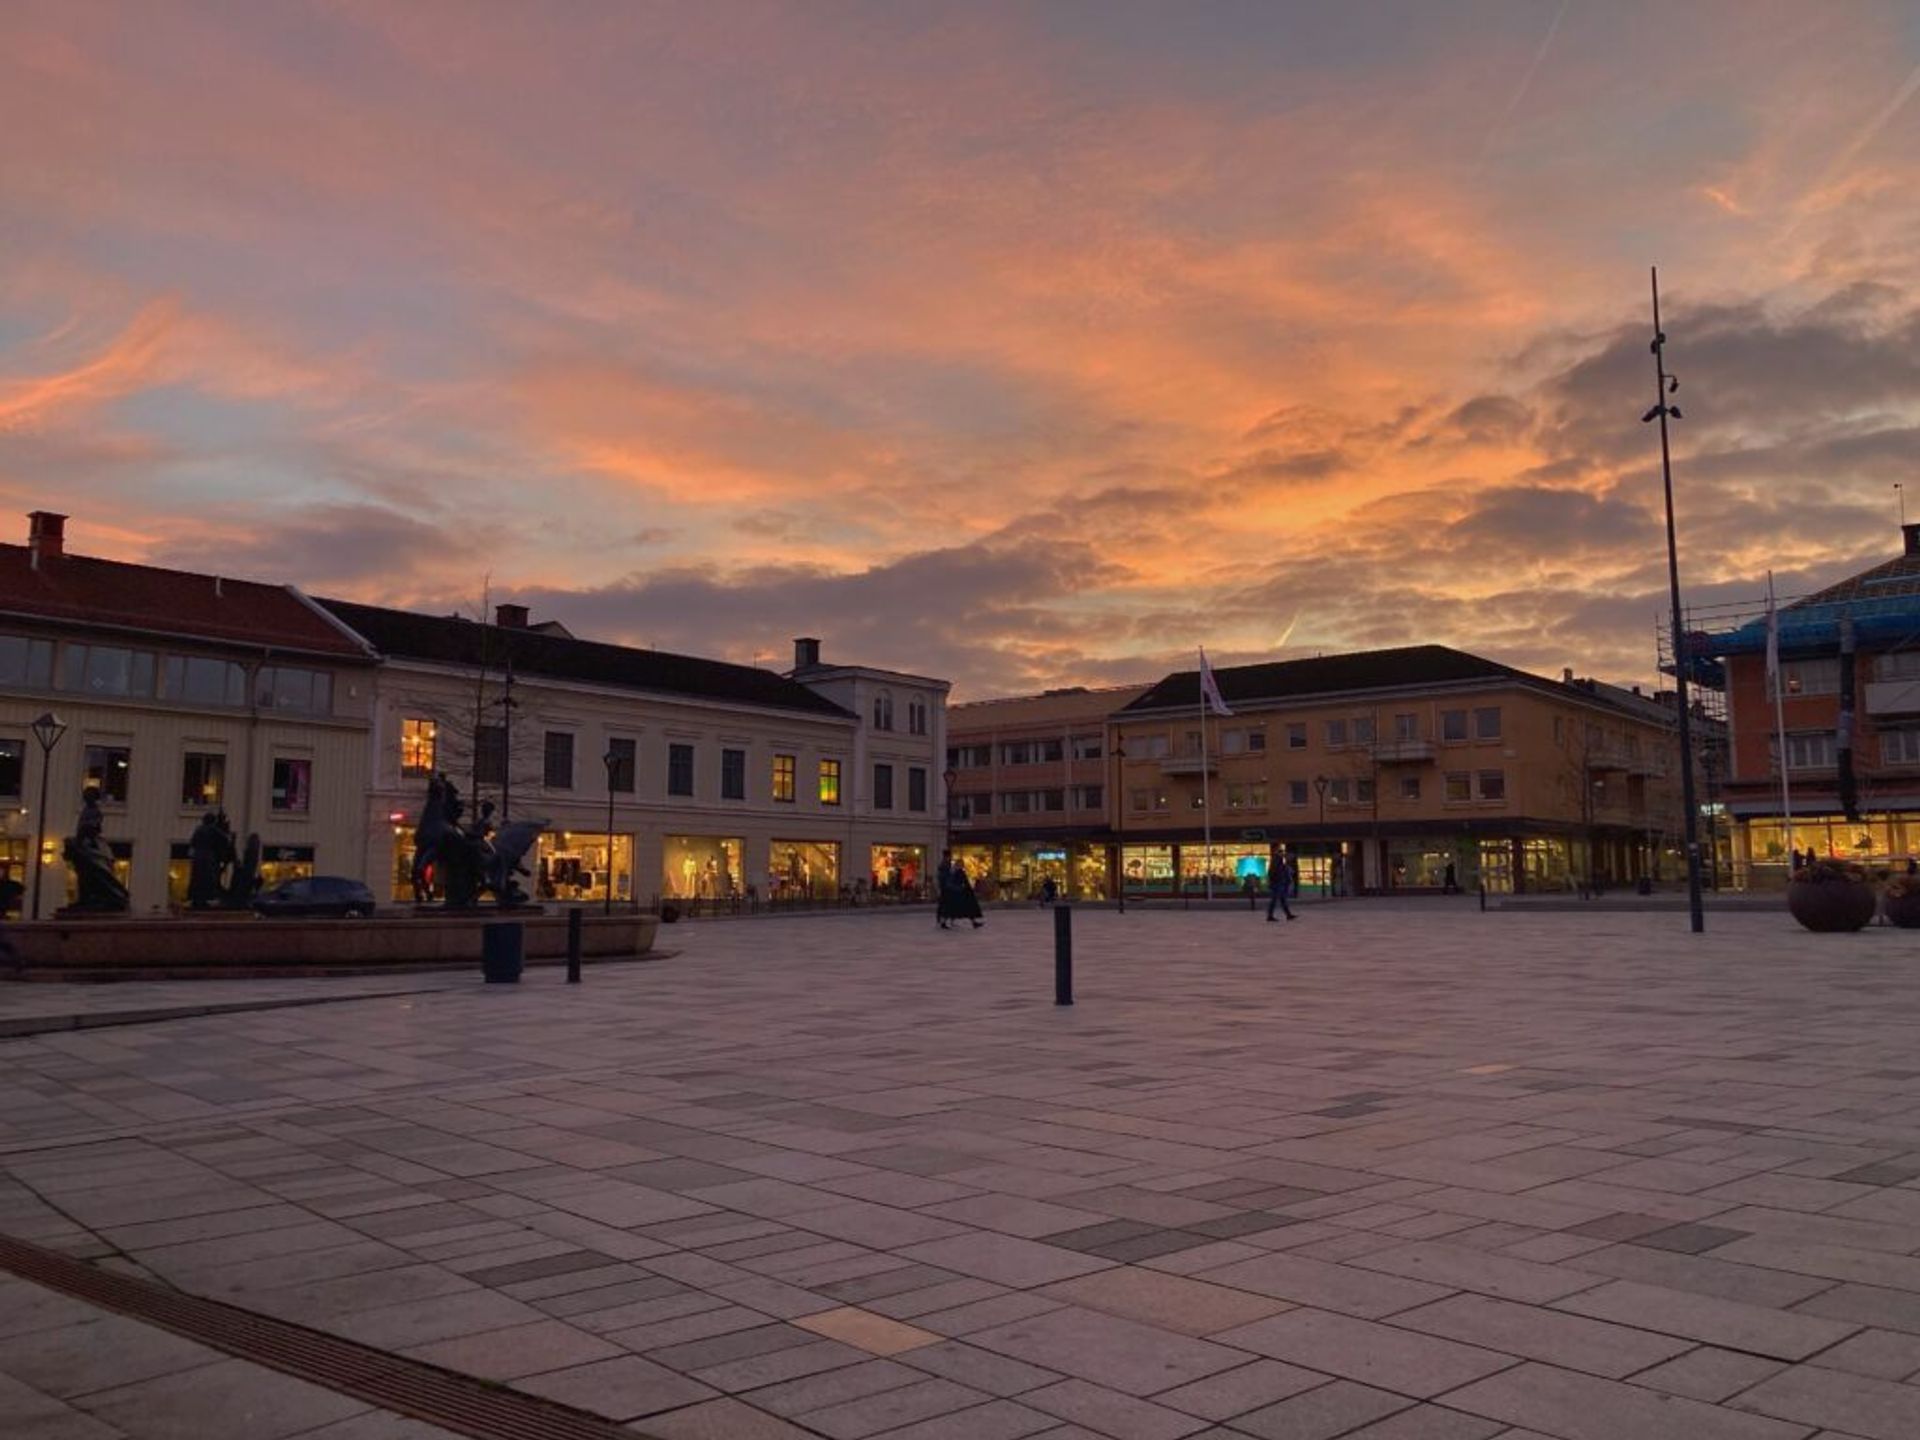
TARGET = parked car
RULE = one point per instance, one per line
(334, 895)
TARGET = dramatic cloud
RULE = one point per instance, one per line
(1024, 344)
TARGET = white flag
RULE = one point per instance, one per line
(1210, 688)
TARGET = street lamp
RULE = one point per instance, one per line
(47, 730)
(948, 776)
(612, 762)
(1120, 826)
(1320, 783)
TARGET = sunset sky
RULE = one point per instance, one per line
(1027, 344)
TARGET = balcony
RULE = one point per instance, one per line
(1893, 697)
(1403, 752)
(1190, 764)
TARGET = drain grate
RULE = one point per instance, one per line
(438, 1397)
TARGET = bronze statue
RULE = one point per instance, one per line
(92, 860)
(469, 860)
(209, 853)
(427, 832)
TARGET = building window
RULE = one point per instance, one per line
(1054, 800)
(1085, 747)
(1901, 746)
(13, 760)
(1150, 747)
(109, 670)
(292, 785)
(107, 767)
(416, 746)
(26, 664)
(1336, 734)
(489, 754)
(1811, 677)
(201, 681)
(733, 774)
(679, 769)
(1493, 784)
(1812, 751)
(1089, 797)
(916, 788)
(1256, 742)
(285, 687)
(556, 769)
(1406, 727)
(1453, 724)
(1363, 729)
(1459, 785)
(1297, 735)
(202, 778)
(1339, 790)
(1297, 792)
(1486, 723)
(829, 782)
(1894, 665)
(883, 710)
(1031, 752)
(1409, 787)
(917, 717)
(1016, 802)
(1137, 801)
(965, 807)
(783, 778)
(1363, 791)
(1251, 796)
(623, 775)
(883, 787)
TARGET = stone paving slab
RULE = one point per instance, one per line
(1397, 1172)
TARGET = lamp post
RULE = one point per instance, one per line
(611, 761)
(1120, 827)
(948, 776)
(1662, 410)
(1320, 783)
(47, 730)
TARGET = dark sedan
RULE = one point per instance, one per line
(333, 895)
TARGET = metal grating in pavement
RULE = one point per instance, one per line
(451, 1401)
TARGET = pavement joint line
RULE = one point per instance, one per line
(30, 1025)
(452, 1401)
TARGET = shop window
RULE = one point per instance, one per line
(883, 710)
(107, 768)
(916, 788)
(808, 869)
(829, 782)
(733, 774)
(1486, 723)
(1493, 784)
(701, 867)
(898, 869)
(292, 785)
(1336, 734)
(783, 778)
(580, 864)
(109, 670)
(287, 687)
(1148, 869)
(199, 680)
(556, 767)
(26, 664)
(1459, 785)
(1297, 735)
(1453, 724)
(1409, 787)
(883, 787)
(282, 863)
(1810, 751)
(13, 761)
(202, 779)
(418, 740)
(1297, 792)
(679, 769)
(490, 754)
(623, 774)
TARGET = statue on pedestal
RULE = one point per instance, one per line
(92, 860)
(473, 859)
(209, 853)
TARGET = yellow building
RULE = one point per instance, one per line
(174, 694)
(1380, 771)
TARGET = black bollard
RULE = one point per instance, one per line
(575, 922)
(1063, 955)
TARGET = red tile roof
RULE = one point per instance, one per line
(82, 590)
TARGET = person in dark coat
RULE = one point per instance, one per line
(943, 889)
(1277, 892)
(966, 905)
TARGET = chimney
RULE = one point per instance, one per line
(1566, 676)
(46, 536)
(510, 617)
(806, 653)
(1911, 533)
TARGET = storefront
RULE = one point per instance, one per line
(1879, 839)
(576, 865)
(980, 864)
(699, 867)
(1419, 862)
(1149, 869)
(1228, 866)
(898, 869)
(804, 869)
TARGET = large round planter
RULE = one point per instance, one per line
(1832, 905)
(1903, 910)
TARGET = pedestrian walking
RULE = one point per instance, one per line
(943, 889)
(1250, 887)
(965, 904)
(1449, 883)
(1277, 892)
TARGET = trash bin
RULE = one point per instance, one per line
(1645, 886)
(503, 949)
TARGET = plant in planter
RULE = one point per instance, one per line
(1831, 895)
(1900, 901)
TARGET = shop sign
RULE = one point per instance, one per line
(1253, 834)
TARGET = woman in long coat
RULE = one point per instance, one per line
(965, 904)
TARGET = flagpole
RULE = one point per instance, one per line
(1780, 722)
(1206, 799)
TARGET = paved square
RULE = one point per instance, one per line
(1397, 1170)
